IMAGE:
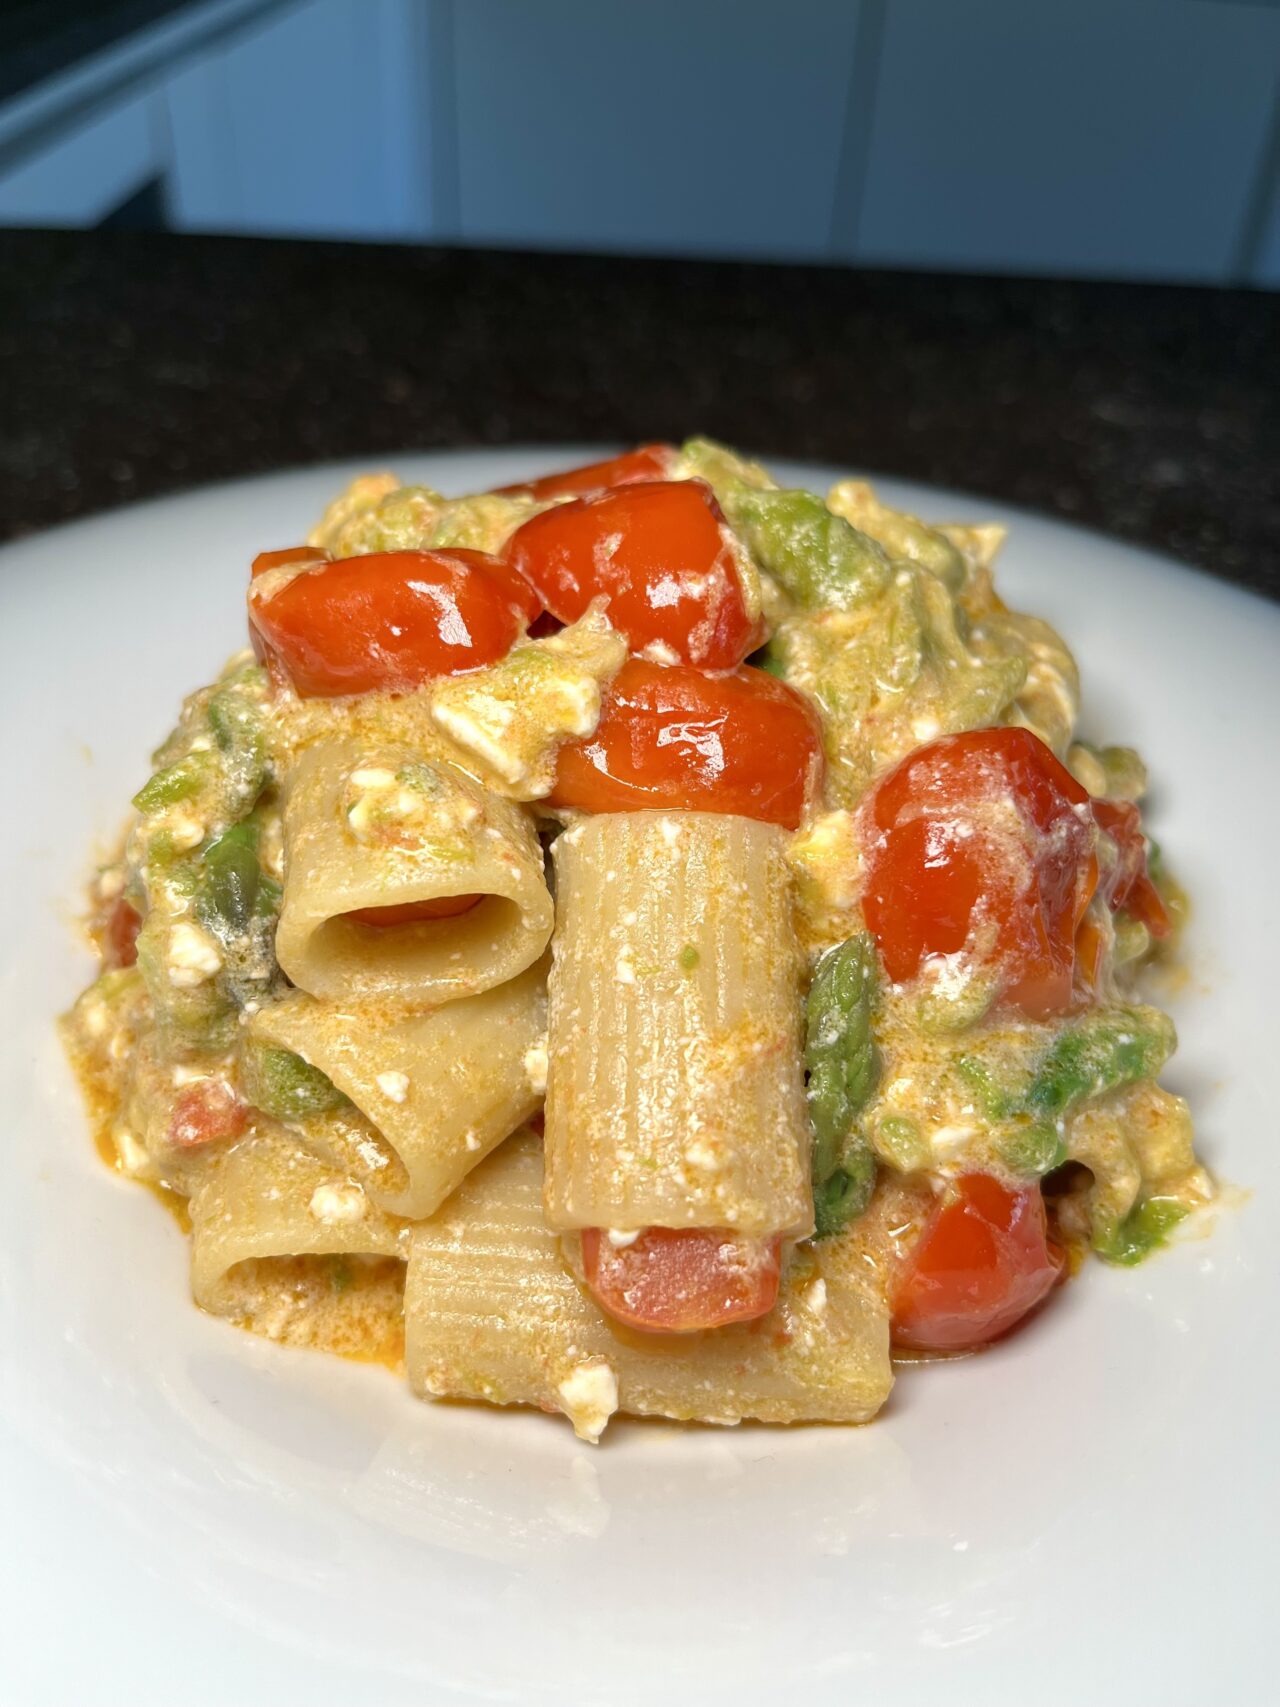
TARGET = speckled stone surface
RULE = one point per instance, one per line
(136, 364)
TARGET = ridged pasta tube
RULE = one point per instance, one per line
(492, 1312)
(675, 1092)
(441, 1088)
(268, 1220)
(382, 827)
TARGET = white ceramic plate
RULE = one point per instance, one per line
(194, 1516)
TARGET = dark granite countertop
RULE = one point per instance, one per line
(136, 364)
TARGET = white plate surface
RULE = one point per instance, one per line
(193, 1516)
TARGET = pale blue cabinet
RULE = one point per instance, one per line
(308, 123)
(708, 127)
(1115, 137)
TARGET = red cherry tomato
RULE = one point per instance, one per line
(660, 553)
(120, 939)
(984, 840)
(205, 1112)
(682, 1280)
(415, 912)
(646, 462)
(670, 736)
(291, 554)
(1127, 884)
(390, 620)
(982, 1262)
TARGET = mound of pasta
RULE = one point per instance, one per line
(644, 940)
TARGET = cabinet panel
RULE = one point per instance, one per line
(1108, 136)
(305, 125)
(85, 173)
(704, 128)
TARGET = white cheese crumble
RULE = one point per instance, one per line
(184, 832)
(589, 1397)
(624, 971)
(193, 955)
(373, 776)
(484, 740)
(658, 652)
(815, 1297)
(133, 1157)
(536, 1062)
(335, 1204)
(620, 1239)
(110, 883)
(393, 1085)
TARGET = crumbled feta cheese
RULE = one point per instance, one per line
(658, 652)
(948, 1141)
(393, 1085)
(815, 1296)
(701, 1155)
(133, 1157)
(187, 1076)
(925, 728)
(193, 955)
(624, 971)
(184, 832)
(110, 882)
(535, 1066)
(483, 738)
(373, 776)
(94, 1016)
(619, 1239)
(671, 832)
(589, 1397)
(471, 1139)
(335, 1204)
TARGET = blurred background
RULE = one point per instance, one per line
(1121, 139)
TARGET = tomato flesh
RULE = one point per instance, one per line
(205, 1112)
(1127, 886)
(646, 462)
(415, 912)
(671, 736)
(981, 841)
(682, 1280)
(659, 551)
(120, 939)
(391, 620)
(291, 554)
(983, 1261)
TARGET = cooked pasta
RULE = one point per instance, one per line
(438, 1089)
(370, 830)
(493, 1312)
(835, 1012)
(675, 1096)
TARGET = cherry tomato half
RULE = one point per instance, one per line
(682, 1280)
(415, 912)
(646, 462)
(660, 553)
(205, 1112)
(984, 840)
(391, 620)
(120, 938)
(982, 1262)
(1127, 883)
(671, 736)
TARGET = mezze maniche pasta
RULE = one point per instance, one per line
(644, 940)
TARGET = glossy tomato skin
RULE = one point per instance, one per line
(1127, 884)
(672, 736)
(682, 1280)
(982, 1263)
(645, 462)
(390, 620)
(660, 553)
(986, 840)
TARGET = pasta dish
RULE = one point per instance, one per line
(644, 940)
